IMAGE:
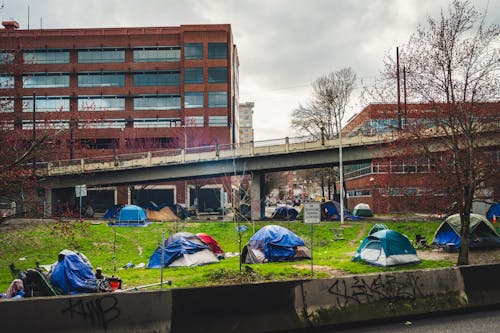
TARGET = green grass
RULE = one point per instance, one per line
(42, 242)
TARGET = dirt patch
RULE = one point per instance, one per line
(324, 269)
(483, 256)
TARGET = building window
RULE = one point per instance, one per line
(45, 124)
(193, 75)
(101, 103)
(157, 54)
(154, 102)
(6, 81)
(168, 78)
(156, 122)
(101, 79)
(6, 104)
(217, 99)
(46, 80)
(46, 57)
(92, 56)
(193, 100)
(99, 143)
(217, 121)
(6, 57)
(195, 121)
(193, 51)
(46, 104)
(217, 75)
(217, 50)
(7, 125)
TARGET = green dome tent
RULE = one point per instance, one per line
(363, 210)
(386, 248)
(378, 227)
(482, 232)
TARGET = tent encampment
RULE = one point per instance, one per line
(482, 232)
(494, 211)
(285, 212)
(386, 248)
(362, 209)
(274, 243)
(182, 249)
(377, 227)
(72, 274)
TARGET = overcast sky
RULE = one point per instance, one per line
(283, 45)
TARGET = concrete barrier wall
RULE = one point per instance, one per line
(262, 307)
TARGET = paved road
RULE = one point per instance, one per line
(477, 322)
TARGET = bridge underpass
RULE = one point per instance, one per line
(209, 162)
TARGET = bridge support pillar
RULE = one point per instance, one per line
(258, 196)
(47, 203)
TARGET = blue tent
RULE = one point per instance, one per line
(494, 210)
(130, 215)
(73, 274)
(482, 232)
(331, 210)
(285, 213)
(274, 243)
(386, 248)
(182, 249)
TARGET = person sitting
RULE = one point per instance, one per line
(98, 274)
(16, 290)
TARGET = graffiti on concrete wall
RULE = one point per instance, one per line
(367, 289)
(99, 311)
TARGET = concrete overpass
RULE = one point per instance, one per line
(254, 159)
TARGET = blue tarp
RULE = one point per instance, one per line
(175, 246)
(494, 210)
(73, 274)
(285, 212)
(278, 242)
(112, 212)
(446, 236)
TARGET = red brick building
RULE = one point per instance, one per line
(398, 187)
(119, 90)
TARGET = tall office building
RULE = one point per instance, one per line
(246, 122)
(117, 90)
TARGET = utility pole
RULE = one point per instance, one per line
(33, 143)
(404, 95)
(399, 95)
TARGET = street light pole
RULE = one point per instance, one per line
(341, 170)
(33, 143)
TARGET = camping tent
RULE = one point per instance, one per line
(285, 212)
(378, 227)
(386, 248)
(362, 209)
(130, 215)
(494, 210)
(182, 249)
(274, 243)
(73, 274)
(330, 210)
(482, 232)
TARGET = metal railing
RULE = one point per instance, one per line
(203, 153)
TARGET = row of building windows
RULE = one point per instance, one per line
(198, 121)
(111, 55)
(114, 79)
(216, 99)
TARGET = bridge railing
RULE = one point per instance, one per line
(192, 154)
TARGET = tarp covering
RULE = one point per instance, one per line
(164, 214)
(210, 242)
(386, 248)
(73, 273)
(494, 210)
(362, 209)
(112, 212)
(482, 232)
(285, 212)
(274, 243)
(181, 249)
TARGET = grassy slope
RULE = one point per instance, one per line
(43, 242)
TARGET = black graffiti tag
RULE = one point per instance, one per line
(100, 311)
(365, 290)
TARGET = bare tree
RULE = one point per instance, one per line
(323, 114)
(452, 63)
